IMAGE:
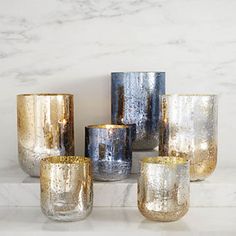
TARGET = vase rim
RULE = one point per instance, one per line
(128, 72)
(189, 95)
(106, 126)
(66, 160)
(44, 94)
(165, 160)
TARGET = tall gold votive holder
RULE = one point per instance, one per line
(189, 127)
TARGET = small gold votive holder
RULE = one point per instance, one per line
(163, 188)
(66, 184)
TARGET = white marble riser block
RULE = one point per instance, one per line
(219, 190)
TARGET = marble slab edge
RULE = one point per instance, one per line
(121, 193)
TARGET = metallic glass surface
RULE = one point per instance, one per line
(163, 188)
(45, 128)
(110, 148)
(189, 127)
(135, 100)
(66, 187)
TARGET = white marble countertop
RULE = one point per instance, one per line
(212, 211)
(18, 189)
(205, 221)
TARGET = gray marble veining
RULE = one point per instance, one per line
(73, 45)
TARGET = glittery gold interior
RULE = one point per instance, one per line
(66, 187)
(107, 126)
(44, 94)
(189, 126)
(163, 188)
(66, 160)
(45, 128)
(165, 160)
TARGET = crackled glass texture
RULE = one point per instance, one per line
(163, 188)
(135, 100)
(66, 187)
(189, 128)
(110, 148)
(45, 128)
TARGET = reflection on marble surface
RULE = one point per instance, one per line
(73, 45)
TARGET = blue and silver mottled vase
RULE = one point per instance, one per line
(110, 148)
(135, 100)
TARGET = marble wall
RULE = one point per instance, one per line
(73, 45)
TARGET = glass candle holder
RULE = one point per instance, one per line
(66, 187)
(45, 128)
(135, 100)
(189, 127)
(163, 188)
(110, 148)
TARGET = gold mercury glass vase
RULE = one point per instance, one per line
(66, 187)
(45, 124)
(189, 128)
(163, 188)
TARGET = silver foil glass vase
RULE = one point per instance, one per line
(110, 148)
(66, 184)
(135, 100)
(45, 125)
(189, 128)
(163, 188)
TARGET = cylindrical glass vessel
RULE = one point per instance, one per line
(163, 188)
(66, 187)
(110, 148)
(45, 128)
(135, 100)
(189, 127)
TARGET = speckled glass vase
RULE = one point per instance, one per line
(110, 148)
(135, 100)
(66, 187)
(45, 128)
(163, 188)
(189, 128)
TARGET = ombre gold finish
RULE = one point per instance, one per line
(163, 188)
(45, 128)
(189, 127)
(66, 187)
